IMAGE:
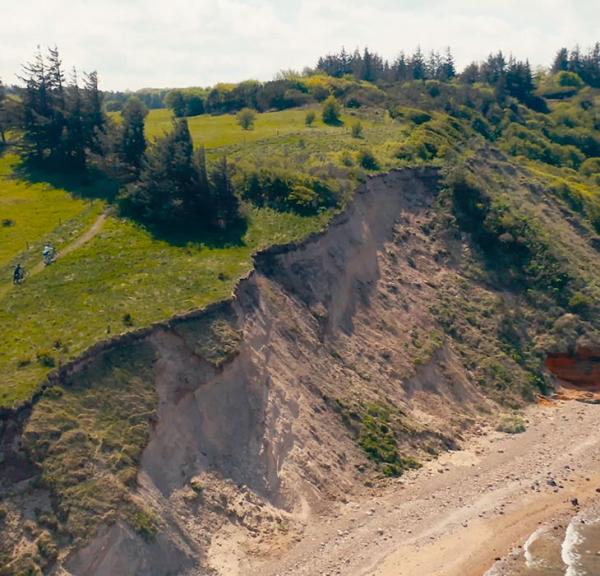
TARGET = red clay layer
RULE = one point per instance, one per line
(581, 369)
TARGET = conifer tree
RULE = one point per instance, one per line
(167, 190)
(73, 133)
(224, 204)
(133, 140)
(94, 117)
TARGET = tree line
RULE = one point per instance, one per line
(371, 67)
(585, 64)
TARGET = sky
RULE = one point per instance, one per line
(175, 43)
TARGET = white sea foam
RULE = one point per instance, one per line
(530, 560)
(568, 551)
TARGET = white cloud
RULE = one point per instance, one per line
(135, 43)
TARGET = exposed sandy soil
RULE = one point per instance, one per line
(458, 514)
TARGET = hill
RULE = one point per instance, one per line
(393, 279)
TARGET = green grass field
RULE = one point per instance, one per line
(219, 131)
(30, 212)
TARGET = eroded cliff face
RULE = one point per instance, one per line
(256, 433)
(580, 368)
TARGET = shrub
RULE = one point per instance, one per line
(510, 240)
(127, 319)
(310, 118)
(511, 424)
(246, 118)
(590, 167)
(145, 524)
(367, 160)
(418, 117)
(580, 304)
(357, 129)
(46, 359)
(347, 159)
(378, 440)
(284, 190)
(570, 79)
(332, 111)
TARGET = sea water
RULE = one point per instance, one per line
(556, 550)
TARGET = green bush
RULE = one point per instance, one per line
(357, 130)
(246, 118)
(590, 167)
(580, 304)
(332, 111)
(144, 523)
(46, 359)
(569, 79)
(283, 190)
(378, 440)
(511, 424)
(509, 240)
(310, 118)
(367, 160)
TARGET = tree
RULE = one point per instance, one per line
(133, 140)
(224, 204)
(310, 118)
(561, 61)
(246, 118)
(332, 111)
(37, 110)
(167, 192)
(417, 65)
(94, 118)
(61, 124)
(448, 70)
(176, 101)
(73, 134)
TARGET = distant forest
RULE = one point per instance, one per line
(288, 90)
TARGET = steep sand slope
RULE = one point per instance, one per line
(323, 323)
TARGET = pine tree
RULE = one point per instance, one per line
(224, 202)
(73, 149)
(561, 61)
(417, 66)
(93, 113)
(368, 68)
(448, 70)
(133, 141)
(36, 109)
(167, 191)
(56, 95)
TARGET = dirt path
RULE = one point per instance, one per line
(458, 514)
(77, 243)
